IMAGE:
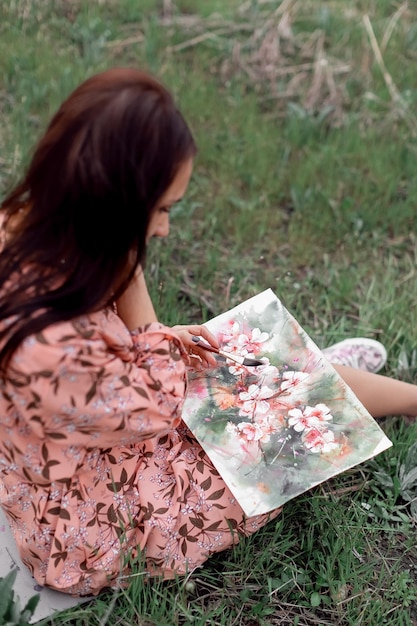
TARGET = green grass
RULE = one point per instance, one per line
(305, 182)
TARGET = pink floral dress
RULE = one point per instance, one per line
(96, 464)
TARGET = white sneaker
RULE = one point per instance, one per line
(358, 352)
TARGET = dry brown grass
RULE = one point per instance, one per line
(282, 61)
(285, 63)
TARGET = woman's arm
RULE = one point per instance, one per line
(96, 385)
(135, 306)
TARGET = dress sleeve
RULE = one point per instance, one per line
(96, 385)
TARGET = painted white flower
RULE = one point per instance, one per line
(292, 379)
(236, 369)
(269, 424)
(251, 432)
(230, 334)
(259, 336)
(319, 441)
(300, 421)
(255, 399)
(309, 417)
(252, 341)
(267, 374)
(321, 411)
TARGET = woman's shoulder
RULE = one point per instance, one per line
(98, 342)
(101, 329)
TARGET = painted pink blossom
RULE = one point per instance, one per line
(321, 411)
(267, 374)
(291, 380)
(236, 369)
(270, 424)
(252, 432)
(300, 421)
(230, 333)
(309, 417)
(254, 400)
(252, 341)
(318, 440)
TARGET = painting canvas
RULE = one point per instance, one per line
(278, 429)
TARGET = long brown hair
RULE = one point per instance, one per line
(84, 205)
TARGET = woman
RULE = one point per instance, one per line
(95, 462)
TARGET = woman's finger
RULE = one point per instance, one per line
(209, 337)
(187, 333)
(198, 330)
(206, 358)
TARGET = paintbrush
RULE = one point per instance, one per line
(241, 360)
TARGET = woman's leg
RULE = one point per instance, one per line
(380, 395)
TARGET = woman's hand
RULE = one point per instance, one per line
(199, 357)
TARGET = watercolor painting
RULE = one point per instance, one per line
(276, 430)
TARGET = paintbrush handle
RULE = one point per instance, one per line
(204, 345)
(233, 357)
